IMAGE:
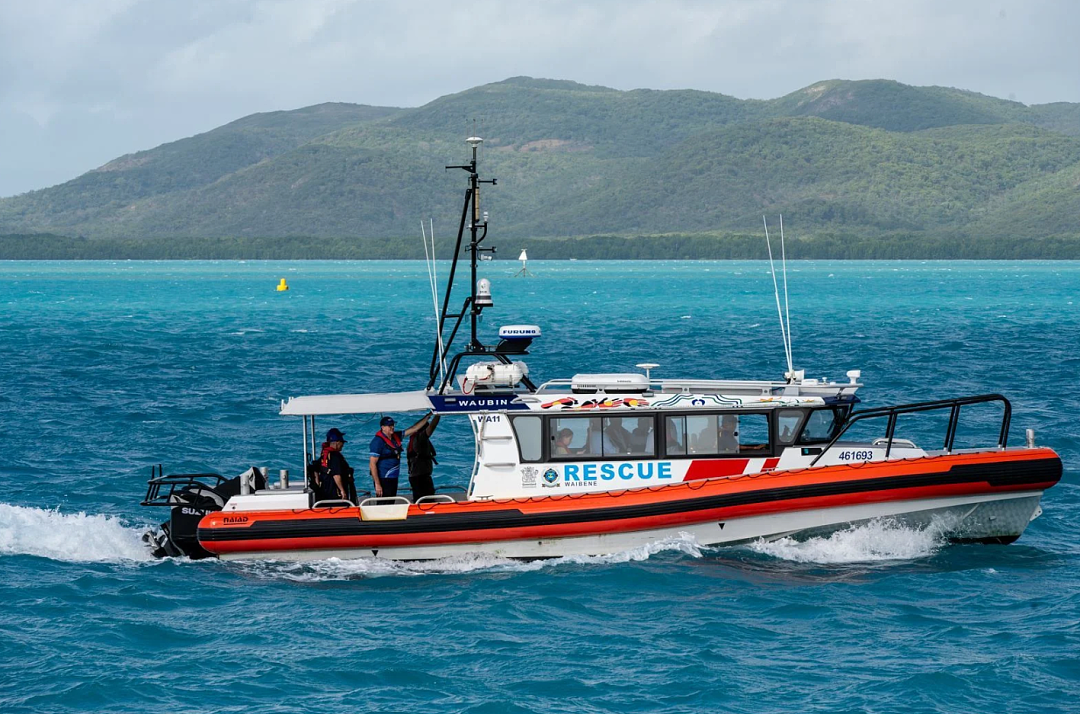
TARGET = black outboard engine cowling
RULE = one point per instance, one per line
(190, 496)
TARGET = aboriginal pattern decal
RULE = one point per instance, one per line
(700, 400)
(719, 400)
(573, 404)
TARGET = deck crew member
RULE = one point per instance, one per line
(421, 457)
(336, 480)
(385, 453)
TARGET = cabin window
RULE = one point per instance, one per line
(629, 436)
(675, 430)
(602, 437)
(716, 434)
(788, 420)
(820, 426)
(575, 437)
(529, 439)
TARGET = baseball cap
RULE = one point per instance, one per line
(386, 421)
(335, 435)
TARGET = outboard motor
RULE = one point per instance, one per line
(190, 496)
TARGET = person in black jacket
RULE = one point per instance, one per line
(336, 482)
(421, 456)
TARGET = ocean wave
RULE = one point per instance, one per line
(76, 537)
(877, 540)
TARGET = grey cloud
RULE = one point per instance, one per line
(83, 82)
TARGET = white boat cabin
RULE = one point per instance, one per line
(615, 432)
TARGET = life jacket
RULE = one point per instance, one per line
(324, 459)
(392, 441)
(420, 447)
(318, 471)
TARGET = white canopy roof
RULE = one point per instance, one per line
(357, 403)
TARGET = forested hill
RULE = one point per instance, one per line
(868, 158)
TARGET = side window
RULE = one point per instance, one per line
(675, 435)
(717, 434)
(753, 433)
(527, 430)
(788, 422)
(576, 437)
(628, 436)
(820, 426)
(600, 437)
(702, 435)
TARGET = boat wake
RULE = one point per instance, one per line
(82, 537)
(874, 541)
(337, 569)
(73, 537)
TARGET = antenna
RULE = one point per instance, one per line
(787, 310)
(429, 261)
(780, 313)
(479, 296)
(648, 367)
(435, 288)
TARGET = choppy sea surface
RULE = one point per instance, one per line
(109, 367)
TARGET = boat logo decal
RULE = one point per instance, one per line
(528, 476)
(551, 477)
(235, 520)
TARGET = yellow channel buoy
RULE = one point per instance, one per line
(282, 286)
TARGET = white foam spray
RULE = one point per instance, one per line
(76, 537)
(876, 540)
(338, 569)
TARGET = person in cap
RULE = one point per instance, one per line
(336, 480)
(385, 453)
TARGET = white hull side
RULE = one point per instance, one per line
(966, 517)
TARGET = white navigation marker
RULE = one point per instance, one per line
(524, 272)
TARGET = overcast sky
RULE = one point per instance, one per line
(85, 81)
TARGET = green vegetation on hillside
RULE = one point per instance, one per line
(728, 246)
(874, 159)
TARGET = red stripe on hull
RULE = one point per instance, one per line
(715, 468)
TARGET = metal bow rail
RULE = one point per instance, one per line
(950, 433)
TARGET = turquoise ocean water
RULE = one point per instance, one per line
(107, 368)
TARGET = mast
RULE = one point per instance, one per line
(479, 289)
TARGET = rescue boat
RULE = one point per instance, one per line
(600, 463)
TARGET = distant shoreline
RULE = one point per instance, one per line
(654, 247)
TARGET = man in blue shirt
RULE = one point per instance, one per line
(385, 452)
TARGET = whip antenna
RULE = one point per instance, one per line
(787, 310)
(429, 261)
(435, 289)
(776, 292)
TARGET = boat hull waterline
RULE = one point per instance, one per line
(987, 497)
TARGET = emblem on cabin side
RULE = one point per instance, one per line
(528, 477)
